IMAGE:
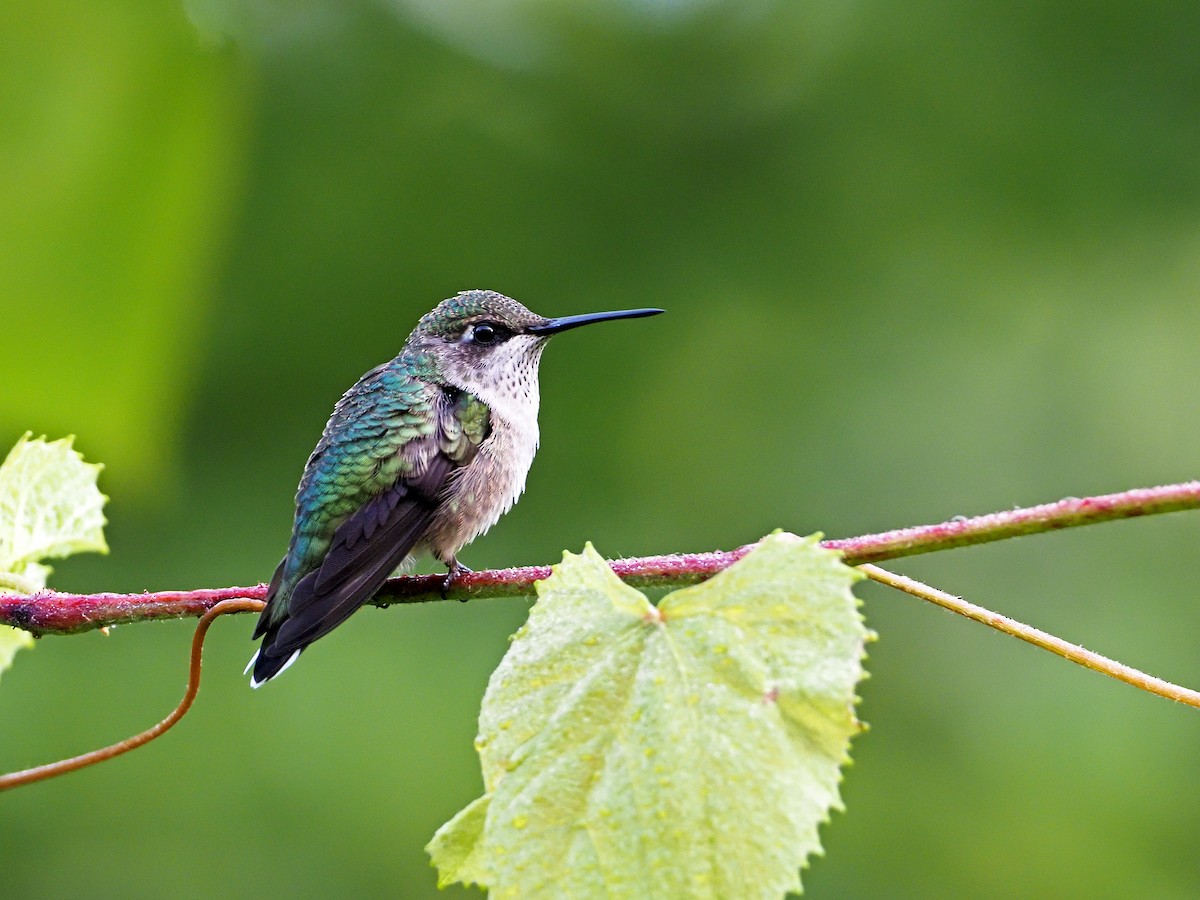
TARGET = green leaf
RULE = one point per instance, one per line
(49, 506)
(686, 751)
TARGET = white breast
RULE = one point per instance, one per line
(478, 494)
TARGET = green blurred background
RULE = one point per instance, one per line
(920, 260)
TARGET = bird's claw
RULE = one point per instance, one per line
(456, 569)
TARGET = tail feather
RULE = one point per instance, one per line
(354, 568)
(267, 667)
(272, 590)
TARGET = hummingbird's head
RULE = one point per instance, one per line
(490, 345)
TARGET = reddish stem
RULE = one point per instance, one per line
(54, 613)
(63, 766)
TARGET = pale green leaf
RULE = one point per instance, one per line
(459, 845)
(49, 506)
(686, 751)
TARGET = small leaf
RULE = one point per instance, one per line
(49, 506)
(686, 751)
(458, 843)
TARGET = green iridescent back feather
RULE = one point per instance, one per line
(358, 456)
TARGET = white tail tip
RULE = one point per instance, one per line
(254, 683)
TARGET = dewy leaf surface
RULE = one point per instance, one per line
(686, 751)
(49, 506)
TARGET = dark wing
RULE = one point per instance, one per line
(375, 539)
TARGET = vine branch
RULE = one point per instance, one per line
(63, 766)
(55, 613)
(49, 612)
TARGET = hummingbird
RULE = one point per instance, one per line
(422, 455)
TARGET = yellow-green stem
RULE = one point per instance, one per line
(1035, 636)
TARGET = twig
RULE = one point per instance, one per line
(1070, 512)
(1035, 636)
(53, 613)
(62, 767)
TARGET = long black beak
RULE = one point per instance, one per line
(554, 326)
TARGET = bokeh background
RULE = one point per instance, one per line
(920, 260)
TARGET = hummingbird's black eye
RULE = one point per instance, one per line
(486, 333)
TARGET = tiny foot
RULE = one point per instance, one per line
(456, 569)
